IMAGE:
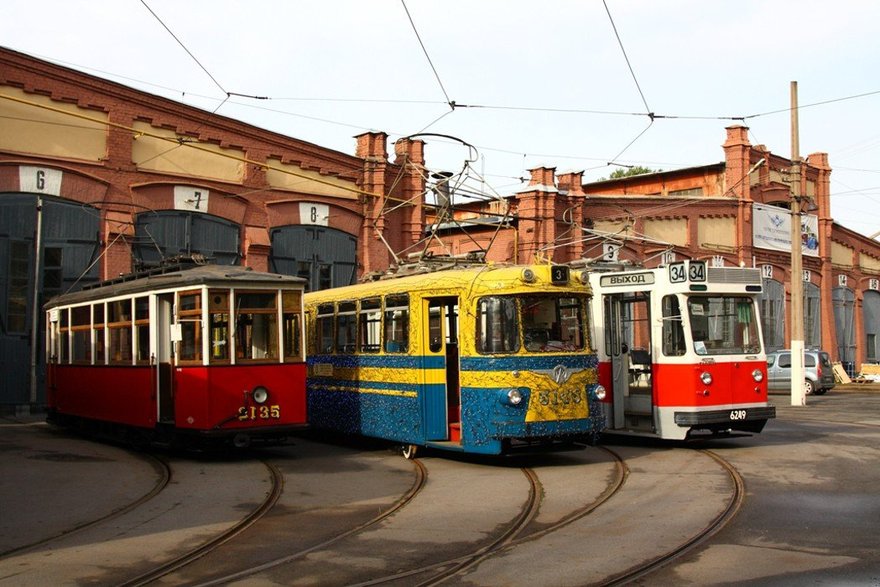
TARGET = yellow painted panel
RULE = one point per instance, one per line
(208, 160)
(869, 263)
(617, 227)
(39, 131)
(548, 400)
(287, 176)
(717, 231)
(673, 230)
(841, 254)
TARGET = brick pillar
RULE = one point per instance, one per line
(737, 156)
(372, 252)
(118, 234)
(410, 155)
(536, 213)
(572, 184)
(819, 161)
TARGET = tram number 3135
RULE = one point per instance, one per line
(738, 414)
(259, 413)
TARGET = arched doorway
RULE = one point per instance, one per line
(871, 321)
(773, 315)
(843, 300)
(69, 249)
(326, 257)
(812, 317)
(168, 233)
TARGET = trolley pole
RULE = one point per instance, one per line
(798, 397)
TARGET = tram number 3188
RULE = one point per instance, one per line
(738, 414)
(259, 413)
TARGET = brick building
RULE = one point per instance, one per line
(123, 179)
(730, 213)
(120, 179)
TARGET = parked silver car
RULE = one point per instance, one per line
(819, 376)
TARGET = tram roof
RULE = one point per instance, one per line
(478, 277)
(212, 275)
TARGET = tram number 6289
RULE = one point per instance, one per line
(738, 414)
(259, 413)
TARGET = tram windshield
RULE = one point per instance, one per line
(538, 323)
(723, 325)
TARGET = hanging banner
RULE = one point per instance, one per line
(771, 229)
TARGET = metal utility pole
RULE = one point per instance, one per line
(798, 397)
(36, 310)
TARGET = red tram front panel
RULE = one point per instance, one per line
(218, 398)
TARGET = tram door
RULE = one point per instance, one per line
(628, 332)
(165, 357)
(440, 400)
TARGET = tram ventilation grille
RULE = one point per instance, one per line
(734, 275)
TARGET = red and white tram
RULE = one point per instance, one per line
(196, 356)
(680, 350)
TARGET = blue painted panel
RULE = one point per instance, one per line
(433, 398)
(390, 417)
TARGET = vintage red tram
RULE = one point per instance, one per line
(200, 355)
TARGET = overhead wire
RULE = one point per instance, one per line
(188, 52)
(626, 58)
(412, 23)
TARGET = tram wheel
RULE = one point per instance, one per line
(409, 451)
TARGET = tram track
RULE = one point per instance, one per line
(713, 527)
(272, 497)
(420, 478)
(163, 478)
(516, 534)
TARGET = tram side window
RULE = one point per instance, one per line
(81, 327)
(119, 325)
(370, 325)
(64, 336)
(218, 325)
(497, 326)
(397, 324)
(98, 321)
(291, 315)
(346, 327)
(256, 326)
(674, 344)
(324, 328)
(142, 329)
(189, 316)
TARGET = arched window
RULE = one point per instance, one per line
(773, 315)
(871, 320)
(812, 317)
(843, 300)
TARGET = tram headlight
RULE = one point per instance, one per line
(512, 397)
(528, 275)
(706, 378)
(757, 375)
(260, 394)
(585, 277)
(600, 392)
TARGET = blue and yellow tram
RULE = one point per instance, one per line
(484, 359)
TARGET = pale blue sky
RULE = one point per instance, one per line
(335, 68)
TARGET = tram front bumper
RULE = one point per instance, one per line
(736, 418)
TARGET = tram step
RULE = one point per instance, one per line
(455, 432)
